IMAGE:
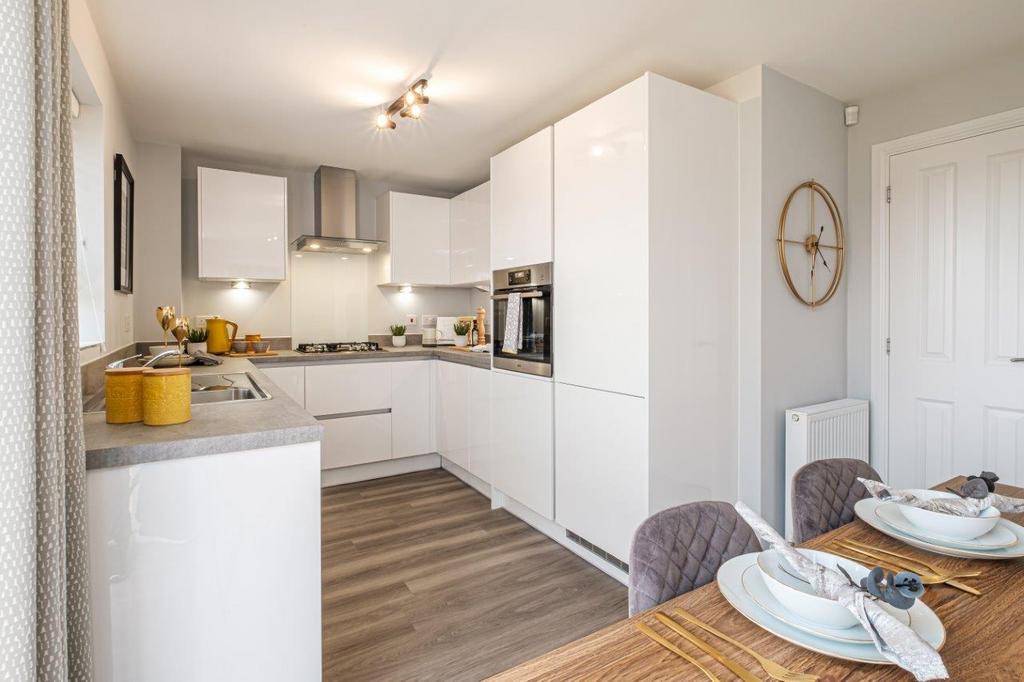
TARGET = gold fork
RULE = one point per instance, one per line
(774, 670)
(909, 563)
(649, 631)
(737, 669)
(894, 564)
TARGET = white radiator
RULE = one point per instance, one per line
(824, 431)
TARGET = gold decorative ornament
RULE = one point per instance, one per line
(822, 243)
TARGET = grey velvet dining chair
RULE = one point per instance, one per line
(681, 548)
(824, 494)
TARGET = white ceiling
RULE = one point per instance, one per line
(297, 83)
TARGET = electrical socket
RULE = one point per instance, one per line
(126, 324)
(411, 319)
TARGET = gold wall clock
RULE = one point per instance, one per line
(811, 249)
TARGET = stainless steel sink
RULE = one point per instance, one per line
(207, 389)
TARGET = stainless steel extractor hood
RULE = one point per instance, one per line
(335, 216)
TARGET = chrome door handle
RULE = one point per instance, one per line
(534, 294)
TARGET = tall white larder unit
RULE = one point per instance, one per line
(645, 279)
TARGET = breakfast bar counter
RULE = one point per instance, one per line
(983, 633)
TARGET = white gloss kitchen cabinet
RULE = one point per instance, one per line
(418, 233)
(521, 199)
(522, 442)
(412, 430)
(243, 225)
(353, 403)
(463, 417)
(471, 236)
(645, 226)
(291, 380)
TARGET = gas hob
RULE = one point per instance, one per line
(340, 347)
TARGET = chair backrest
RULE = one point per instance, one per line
(824, 493)
(680, 549)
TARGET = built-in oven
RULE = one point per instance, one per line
(529, 288)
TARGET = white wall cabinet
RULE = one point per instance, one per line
(471, 236)
(418, 231)
(243, 225)
(411, 414)
(291, 380)
(355, 440)
(352, 387)
(522, 440)
(521, 200)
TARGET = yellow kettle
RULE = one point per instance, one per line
(217, 340)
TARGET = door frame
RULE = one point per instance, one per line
(881, 156)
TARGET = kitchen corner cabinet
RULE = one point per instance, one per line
(521, 203)
(418, 231)
(411, 418)
(522, 440)
(471, 236)
(291, 380)
(243, 225)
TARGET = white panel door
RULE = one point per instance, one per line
(355, 440)
(522, 440)
(291, 380)
(243, 225)
(352, 387)
(956, 399)
(521, 199)
(601, 469)
(420, 239)
(471, 236)
(601, 242)
(410, 408)
(453, 412)
(480, 462)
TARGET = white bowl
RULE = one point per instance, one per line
(948, 525)
(798, 597)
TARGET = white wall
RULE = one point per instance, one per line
(117, 139)
(942, 100)
(157, 235)
(803, 350)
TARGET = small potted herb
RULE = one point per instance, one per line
(461, 329)
(196, 340)
(398, 335)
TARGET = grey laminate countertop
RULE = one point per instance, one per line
(214, 429)
(245, 425)
(386, 354)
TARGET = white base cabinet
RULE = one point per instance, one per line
(355, 440)
(480, 462)
(291, 380)
(601, 467)
(411, 415)
(453, 412)
(522, 440)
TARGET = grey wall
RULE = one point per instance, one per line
(803, 350)
(943, 100)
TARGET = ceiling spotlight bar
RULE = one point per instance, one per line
(409, 105)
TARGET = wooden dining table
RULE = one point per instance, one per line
(984, 634)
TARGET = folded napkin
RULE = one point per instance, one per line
(893, 639)
(956, 506)
(513, 341)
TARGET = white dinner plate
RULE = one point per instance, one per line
(1000, 537)
(730, 584)
(866, 511)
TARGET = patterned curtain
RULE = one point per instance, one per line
(44, 590)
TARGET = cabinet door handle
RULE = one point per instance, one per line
(530, 294)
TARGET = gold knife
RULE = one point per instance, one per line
(711, 651)
(649, 631)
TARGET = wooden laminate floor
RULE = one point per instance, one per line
(423, 581)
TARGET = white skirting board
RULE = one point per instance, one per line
(388, 467)
(500, 500)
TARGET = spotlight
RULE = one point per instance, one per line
(384, 121)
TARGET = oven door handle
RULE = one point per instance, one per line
(528, 294)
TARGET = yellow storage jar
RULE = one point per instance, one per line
(123, 390)
(167, 396)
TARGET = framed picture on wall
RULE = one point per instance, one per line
(124, 226)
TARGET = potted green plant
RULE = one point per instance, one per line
(461, 329)
(196, 340)
(398, 335)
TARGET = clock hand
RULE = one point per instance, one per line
(818, 250)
